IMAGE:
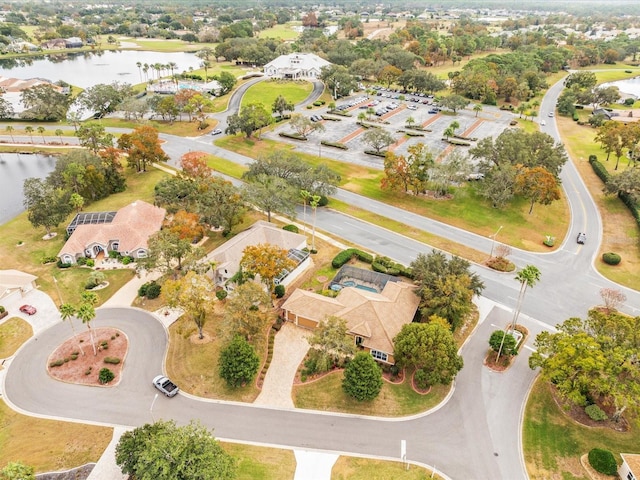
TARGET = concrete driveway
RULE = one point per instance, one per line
(47, 313)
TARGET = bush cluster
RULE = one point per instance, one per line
(112, 360)
(62, 264)
(330, 119)
(127, 260)
(595, 413)
(221, 294)
(611, 258)
(344, 256)
(603, 461)
(82, 261)
(291, 228)
(49, 259)
(57, 363)
(150, 290)
(388, 266)
(376, 154)
(295, 136)
(501, 264)
(267, 362)
(575, 117)
(105, 376)
(279, 291)
(455, 141)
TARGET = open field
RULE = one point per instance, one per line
(553, 443)
(283, 31)
(266, 92)
(162, 45)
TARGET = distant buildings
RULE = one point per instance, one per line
(296, 66)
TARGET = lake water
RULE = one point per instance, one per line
(14, 170)
(630, 86)
(90, 68)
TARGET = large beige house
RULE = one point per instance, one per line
(226, 258)
(373, 319)
(15, 284)
(126, 231)
(296, 66)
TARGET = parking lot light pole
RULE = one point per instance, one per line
(493, 241)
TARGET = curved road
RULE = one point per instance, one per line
(475, 434)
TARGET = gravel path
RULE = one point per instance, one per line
(289, 349)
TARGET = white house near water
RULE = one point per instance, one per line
(296, 66)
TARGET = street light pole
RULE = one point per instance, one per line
(55, 282)
(493, 242)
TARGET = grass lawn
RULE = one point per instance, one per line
(618, 73)
(262, 463)
(39, 149)
(164, 45)
(553, 443)
(181, 129)
(193, 365)
(49, 444)
(267, 91)
(283, 32)
(29, 256)
(467, 210)
(355, 468)
(393, 401)
(620, 231)
(13, 333)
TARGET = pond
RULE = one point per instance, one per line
(630, 86)
(14, 170)
(90, 68)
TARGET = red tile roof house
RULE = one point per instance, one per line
(126, 231)
(373, 319)
(226, 257)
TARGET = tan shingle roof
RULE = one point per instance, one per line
(633, 460)
(131, 227)
(12, 279)
(378, 317)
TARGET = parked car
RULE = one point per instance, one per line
(28, 309)
(551, 114)
(165, 385)
(412, 107)
(434, 110)
(582, 237)
(217, 131)
(543, 123)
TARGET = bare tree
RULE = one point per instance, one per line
(612, 299)
(503, 251)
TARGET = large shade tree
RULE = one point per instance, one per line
(194, 294)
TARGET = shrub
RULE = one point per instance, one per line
(153, 290)
(88, 371)
(291, 228)
(420, 379)
(603, 461)
(2, 309)
(82, 261)
(51, 259)
(74, 356)
(575, 116)
(91, 262)
(595, 413)
(501, 264)
(549, 241)
(105, 376)
(114, 254)
(629, 101)
(112, 360)
(324, 201)
(611, 258)
(126, 260)
(339, 145)
(294, 136)
(238, 362)
(309, 107)
(279, 291)
(455, 141)
(599, 169)
(344, 256)
(317, 103)
(57, 363)
(509, 345)
(381, 154)
(221, 294)
(62, 264)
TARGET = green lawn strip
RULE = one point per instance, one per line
(262, 463)
(49, 445)
(617, 74)
(553, 443)
(283, 32)
(13, 333)
(267, 91)
(468, 210)
(394, 400)
(356, 468)
(38, 149)
(226, 167)
(181, 129)
(29, 256)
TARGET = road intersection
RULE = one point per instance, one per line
(474, 434)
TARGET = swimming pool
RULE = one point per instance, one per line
(351, 283)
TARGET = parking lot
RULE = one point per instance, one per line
(392, 114)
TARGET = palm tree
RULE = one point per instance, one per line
(172, 66)
(454, 126)
(41, 131)
(370, 112)
(521, 108)
(477, 108)
(528, 277)
(145, 70)
(205, 65)
(410, 121)
(29, 129)
(86, 313)
(448, 132)
(66, 312)
(362, 116)
(59, 133)
(10, 130)
(139, 65)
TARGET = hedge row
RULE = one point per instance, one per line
(344, 256)
(295, 136)
(462, 137)
(602, 173)
(339, 112)
(341, 146)
(454, 141)
(388, 266)
(331, 119)
(376, 154)
(411, 134)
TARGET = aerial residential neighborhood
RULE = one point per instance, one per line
(275, 240)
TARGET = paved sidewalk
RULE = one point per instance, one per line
(129, 291)
(314, 465)
(106, 468)
(289, 350)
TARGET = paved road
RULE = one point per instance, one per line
(474, 435)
